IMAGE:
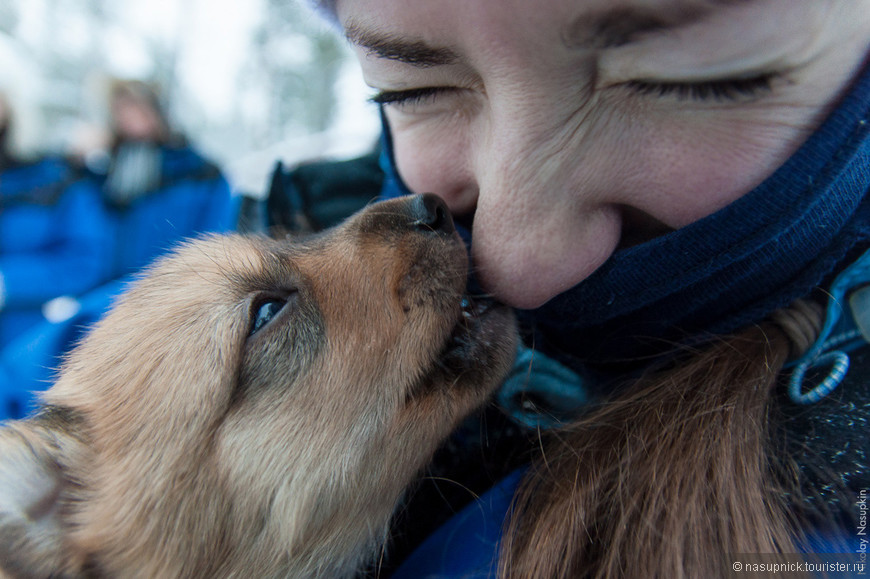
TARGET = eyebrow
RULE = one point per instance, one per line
(607, 29)
(414, 52)
(622, 26)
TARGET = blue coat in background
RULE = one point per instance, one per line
(54, 239)
(192, 198)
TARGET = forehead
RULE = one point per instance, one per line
(443, 19)
(225, 267)
(266, 265)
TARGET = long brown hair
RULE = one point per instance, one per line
(667, 479)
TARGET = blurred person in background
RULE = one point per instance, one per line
(158, 187)
(156, 191)
(6, 157)
(54, 234)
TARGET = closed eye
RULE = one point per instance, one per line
(408, 97)
(713, 90)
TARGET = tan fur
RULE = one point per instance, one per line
(174, 445)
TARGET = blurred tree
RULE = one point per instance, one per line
(8, 16)
(299, 59)
(282, 84)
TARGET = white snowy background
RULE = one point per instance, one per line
(248, 81)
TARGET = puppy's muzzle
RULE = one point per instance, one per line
(414, 214)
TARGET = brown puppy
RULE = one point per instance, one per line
(254, 408)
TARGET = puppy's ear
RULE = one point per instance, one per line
(31, 533)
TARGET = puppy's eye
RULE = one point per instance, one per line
(264, 311)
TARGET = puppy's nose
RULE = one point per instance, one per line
(430, 214)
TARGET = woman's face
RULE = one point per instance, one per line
(566, 128)
(4, 113)
(135, 120)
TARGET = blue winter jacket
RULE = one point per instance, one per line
(193, 198)
(54, 238)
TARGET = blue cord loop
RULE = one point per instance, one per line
(840, 333)
(540, 392)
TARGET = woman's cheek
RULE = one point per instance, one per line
(685, 171)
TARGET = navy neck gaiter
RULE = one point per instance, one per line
(777, 243)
